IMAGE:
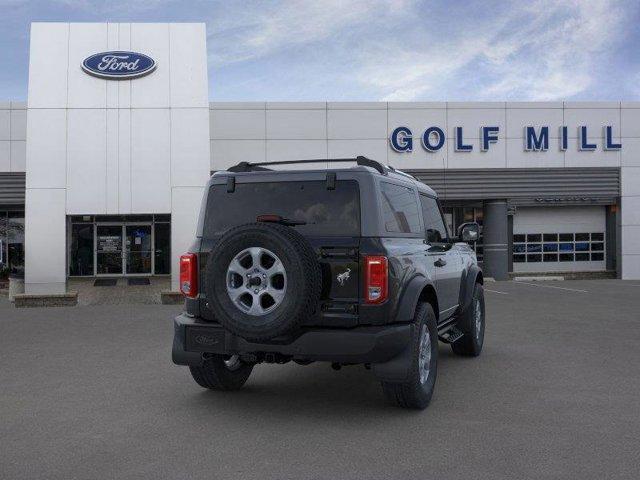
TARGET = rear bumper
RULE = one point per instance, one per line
(374, 344)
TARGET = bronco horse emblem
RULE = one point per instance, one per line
(343, 277)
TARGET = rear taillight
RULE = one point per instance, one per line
(189, 275)
(376, 281)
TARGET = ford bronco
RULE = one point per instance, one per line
(351, 265)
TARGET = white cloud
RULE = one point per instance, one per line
(546, 51)
(259, 29)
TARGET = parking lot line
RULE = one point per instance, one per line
(552, 286)
(495, 291)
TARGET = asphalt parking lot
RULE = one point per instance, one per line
(90, 392)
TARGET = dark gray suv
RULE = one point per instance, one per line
(345, 265)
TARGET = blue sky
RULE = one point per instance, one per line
(378, 49)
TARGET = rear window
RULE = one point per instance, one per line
(327, 212)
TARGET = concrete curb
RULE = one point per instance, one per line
(538, 278)
(24, 300)
(171, 298)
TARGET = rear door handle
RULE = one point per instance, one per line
(441, 262)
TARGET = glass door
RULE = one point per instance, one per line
(109, 249)
(139, 249)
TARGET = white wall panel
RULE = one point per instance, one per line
(188, 56)
(598, 158)
(86, 161)
(418, 158)
(225, 153)
(124, 86)
(18, 156)
(111, 162)
(630, 210)
(418, 120)
(47, 148)
(45, 241)
(374, 149)
(124, 161)
(518, 118)
(86, 91)
(18, 124)
(237, 124)
(189, 147)
(630, 181)
(150, 161)
(630, 120)
(630, 267)
(5, 124)
(48, 62)
(297, 150)
(495, 157)
(5, 156)
(296, 124)
(113, 43)
(472, 119)
(630, 153)
(357, 124)
(631, 240)
(517, 157)
(592, 118)
(152, 91)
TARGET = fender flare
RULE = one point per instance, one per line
(473, 276)
(410, 296)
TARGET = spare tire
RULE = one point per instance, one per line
(262, 280)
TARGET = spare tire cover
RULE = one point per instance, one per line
(262, 280)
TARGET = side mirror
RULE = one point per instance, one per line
(469, 232)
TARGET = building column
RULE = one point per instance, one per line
(495, 239)
(629, 267)
(45, 241)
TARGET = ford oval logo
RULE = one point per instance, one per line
(118, 65)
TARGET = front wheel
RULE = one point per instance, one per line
(472, 325)
(222, 372)
(417, 390)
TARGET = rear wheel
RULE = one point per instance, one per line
(222, 372)
(472, 325)
(416, 392)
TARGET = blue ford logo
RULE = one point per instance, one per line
(118, 65)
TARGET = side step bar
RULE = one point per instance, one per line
(451, 335)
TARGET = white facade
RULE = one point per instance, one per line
(279, 131)
(91, 146)
(13, 140)
(98, 146)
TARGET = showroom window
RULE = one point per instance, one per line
(11, 242)
(558, 247)
(115, 245)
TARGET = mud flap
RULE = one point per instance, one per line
(397, 369)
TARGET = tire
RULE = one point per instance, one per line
(416, 393)
(470, 345)
(215, 374)
(285, 264)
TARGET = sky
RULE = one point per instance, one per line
(377, 50)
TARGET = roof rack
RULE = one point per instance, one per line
(260, 166)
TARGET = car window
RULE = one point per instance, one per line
(435, 231)
(399, 208)
(321, 211)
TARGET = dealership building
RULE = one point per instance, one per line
(102, 169)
